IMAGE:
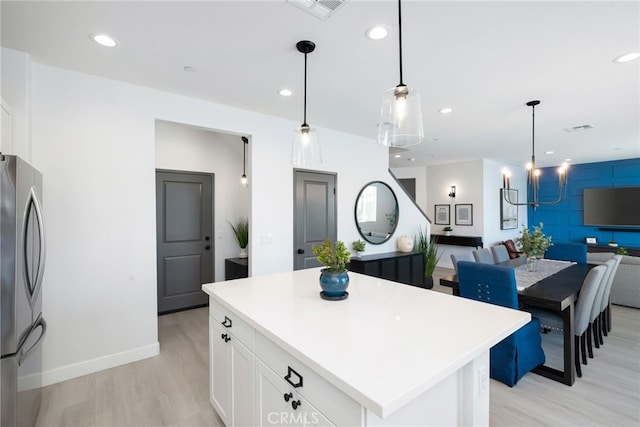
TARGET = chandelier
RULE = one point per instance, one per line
(533, 175)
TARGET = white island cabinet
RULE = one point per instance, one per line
(388, 355)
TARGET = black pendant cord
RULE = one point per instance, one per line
(400, 39)
(244, 158)
(304, 121)
(533, 138)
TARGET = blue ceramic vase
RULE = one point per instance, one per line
(333, 284)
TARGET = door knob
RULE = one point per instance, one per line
(287, 396)
(207, 247)
(295, 404)
(207, 238)
(300, 251)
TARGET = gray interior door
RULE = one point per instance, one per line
(314, 215)
(184, 216)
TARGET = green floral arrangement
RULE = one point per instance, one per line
(241, 232)
(447, 228)
(534, 243)
(622, 251)
(358, 245)
(334, 256)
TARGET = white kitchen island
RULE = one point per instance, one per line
(389, 354)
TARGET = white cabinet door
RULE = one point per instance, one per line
(278, 404)
(220, 371)
(232, 377)
(242, 383)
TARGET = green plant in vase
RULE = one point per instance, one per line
(533, 244)
(334, 279)
(358, 246)
(241, 234)
(429, 247)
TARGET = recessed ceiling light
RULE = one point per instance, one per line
(285, 92)
(412, 159)
(446, 110)
(627, 57)
(549, 152)
(567, 160)
(377, 32)
(103, 39)
(189, 69)
(397, 156)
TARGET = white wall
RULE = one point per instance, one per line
(420, 175)
(492, 178)
(477, 182)
(95, 142)
(187, 148)
(15, 91)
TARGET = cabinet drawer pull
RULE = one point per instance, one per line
(298, 382)
(227, 322)
(225, 337)
(295, 404)
(287, 396)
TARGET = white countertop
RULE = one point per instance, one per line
(384, 345)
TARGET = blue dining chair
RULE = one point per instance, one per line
(567, 252)
(521, 351)
(587, 300)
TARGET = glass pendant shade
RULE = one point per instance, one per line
(305, 149)
(400, 122)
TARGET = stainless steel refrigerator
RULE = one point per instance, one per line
(22, 255)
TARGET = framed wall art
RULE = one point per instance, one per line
(508, 212)
(442, 214)
(464, 214)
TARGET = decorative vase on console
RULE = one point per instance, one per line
(447, 231)
(405, 244)
(533, 244)
(334, 278)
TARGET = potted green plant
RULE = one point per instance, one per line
(241, 233)
(533, 244)
(334, 279)
(622, 251)
(613, 243)
(358, 246)
(447, 230)
(429, 247)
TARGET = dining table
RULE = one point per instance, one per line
(557, 292)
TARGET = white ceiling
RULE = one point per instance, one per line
(483, 59)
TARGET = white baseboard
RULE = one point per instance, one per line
(99, 364)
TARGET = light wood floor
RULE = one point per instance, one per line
(172, 388)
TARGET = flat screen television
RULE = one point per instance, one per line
(617, 207)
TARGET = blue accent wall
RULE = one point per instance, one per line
(563, 222)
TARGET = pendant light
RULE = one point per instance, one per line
(533, 174)
(306, 147)
(401, 113)
(243, 180)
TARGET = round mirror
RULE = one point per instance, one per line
(376, 212)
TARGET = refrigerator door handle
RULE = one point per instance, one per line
(40, 323)
(34, 290)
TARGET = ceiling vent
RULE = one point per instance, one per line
(319, 8)
(578, 128)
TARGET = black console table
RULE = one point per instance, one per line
(473, 241)
(236, 268)
(403, 267)
(613, 249)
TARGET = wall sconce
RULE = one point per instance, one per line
(452, 191)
